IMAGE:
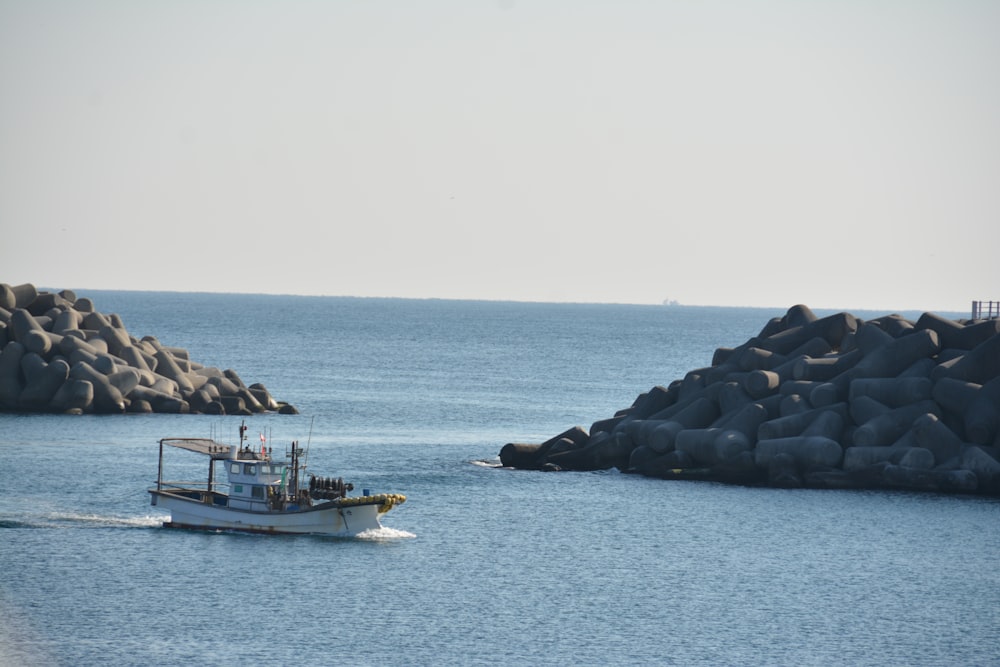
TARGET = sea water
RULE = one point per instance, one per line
(481, 566)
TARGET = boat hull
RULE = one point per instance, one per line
(330, 518)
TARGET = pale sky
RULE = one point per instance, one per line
(842, 154)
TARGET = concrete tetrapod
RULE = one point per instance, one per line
(879, 403)
(42, 334)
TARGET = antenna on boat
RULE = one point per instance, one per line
(312, 420)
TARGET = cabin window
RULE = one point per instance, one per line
(234, 468)
(249, 469)
(237, 488)
(258, 492)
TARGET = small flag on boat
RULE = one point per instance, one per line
(263, 449)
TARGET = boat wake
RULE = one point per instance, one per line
(383, 534)
(76, 520)
(101, 521)
(487, 463)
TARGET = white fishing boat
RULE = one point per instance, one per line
(264, 495)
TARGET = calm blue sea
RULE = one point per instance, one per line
(482, 566)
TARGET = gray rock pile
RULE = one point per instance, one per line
(59, 355)
(833, 402)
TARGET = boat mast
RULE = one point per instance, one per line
(295, 470)
(159, 470)
(211, 473)
(309, 442)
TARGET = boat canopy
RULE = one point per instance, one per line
(207, 446)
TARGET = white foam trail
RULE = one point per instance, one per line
(492, 463)
(99, 520)
(384, 534)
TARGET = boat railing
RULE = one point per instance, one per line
(202, 487)
(985, 310)
(183, 484)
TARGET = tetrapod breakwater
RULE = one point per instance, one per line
(61, 355)
(831, 402)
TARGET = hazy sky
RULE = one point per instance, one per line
(842, 154)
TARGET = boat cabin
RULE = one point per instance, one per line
(255, 482)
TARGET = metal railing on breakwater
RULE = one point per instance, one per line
(985, 310)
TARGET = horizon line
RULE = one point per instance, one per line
(81, 291)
